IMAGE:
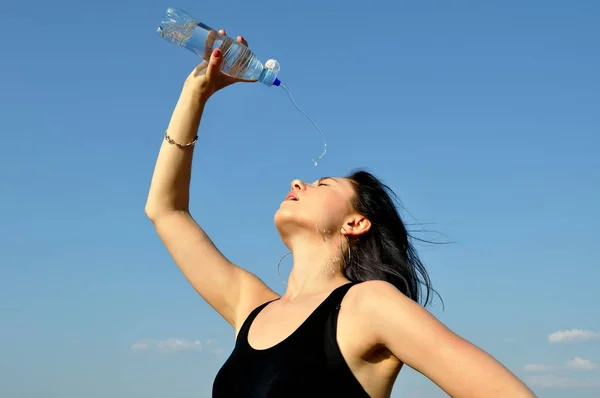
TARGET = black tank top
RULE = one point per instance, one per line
(307, 364)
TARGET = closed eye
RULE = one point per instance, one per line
(320, 181)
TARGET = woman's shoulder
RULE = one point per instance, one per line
(375, 305)
(371, 295)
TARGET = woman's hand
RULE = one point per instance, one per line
(207, 78)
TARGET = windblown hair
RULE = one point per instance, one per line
(386, 251)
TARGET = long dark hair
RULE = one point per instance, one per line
(385, 252)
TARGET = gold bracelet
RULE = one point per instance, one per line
(178, 145)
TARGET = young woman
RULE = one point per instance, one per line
(350, 317)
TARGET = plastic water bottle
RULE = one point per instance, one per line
(239, 61)
(181, 29)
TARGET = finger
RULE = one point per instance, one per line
(214, 65)
(222, 31)
(240, 39)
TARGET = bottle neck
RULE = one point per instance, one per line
(269, 78)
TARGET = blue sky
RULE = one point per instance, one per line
(482, 117)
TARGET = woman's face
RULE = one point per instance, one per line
(322, 206)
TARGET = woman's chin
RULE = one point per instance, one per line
(283, 215)
(286, 220)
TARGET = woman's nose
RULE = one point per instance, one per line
(298, 185)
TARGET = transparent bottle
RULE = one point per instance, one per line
(239, 61)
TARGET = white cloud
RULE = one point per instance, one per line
(167, 346)
(581, 364)
(576, 363)
(210, 344)
(218, 351)
(573, 336)
(534, 367)
(555, 381)
(176, 345)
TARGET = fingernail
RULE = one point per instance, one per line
(217, 53)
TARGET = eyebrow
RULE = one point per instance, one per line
(326, 178)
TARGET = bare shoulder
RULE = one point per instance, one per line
(385, 316)
(377, 296)
(416, 338)
(254, 293)
(390, 316)
(375, 304)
